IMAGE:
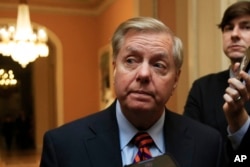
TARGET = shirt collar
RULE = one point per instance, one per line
(231, 74)
(127, 130)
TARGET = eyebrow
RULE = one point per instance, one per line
(241, 22)
(132, 49)
(161, 54)
(245, 22)
(135, 50)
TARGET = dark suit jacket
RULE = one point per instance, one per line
(204, 103)
(93, 141)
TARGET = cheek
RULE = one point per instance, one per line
(165, 88)
(248, 41)
(224, 45)
(121, 82)
(226, 38)
(224, 41)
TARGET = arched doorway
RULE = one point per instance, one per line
(17, 108)
(40, 93)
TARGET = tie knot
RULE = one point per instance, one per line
(143, 139)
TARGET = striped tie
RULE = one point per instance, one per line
(143, 141)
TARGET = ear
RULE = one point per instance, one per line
(114, 67)
(177, 76)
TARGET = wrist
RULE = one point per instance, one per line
(236, 121)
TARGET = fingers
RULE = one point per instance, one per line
(246, 80)
(236, 95)
(238, 92)
(237, 99)
(237, 89)
(233, 98)
(236, 70)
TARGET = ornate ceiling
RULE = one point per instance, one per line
(74, 6)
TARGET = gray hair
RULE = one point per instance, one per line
(146, 24)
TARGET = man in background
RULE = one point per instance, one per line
(221, 100)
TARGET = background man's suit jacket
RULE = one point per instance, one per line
(204, 103)
(94, 142)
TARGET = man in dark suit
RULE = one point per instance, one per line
(221, 100)
(147, 59)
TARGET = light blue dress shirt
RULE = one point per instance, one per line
(127, 132)
(236, 138)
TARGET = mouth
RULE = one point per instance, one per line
(236, 50)
(236, 47)
(141, 93)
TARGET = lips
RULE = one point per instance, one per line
(140, 92)
(236, 47)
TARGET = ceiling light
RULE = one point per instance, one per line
(23, 43)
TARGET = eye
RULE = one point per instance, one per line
(228, 28)
(160, 65)
(247, 26)
(130, 60)
(160, 68)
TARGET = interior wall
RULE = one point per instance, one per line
(47, 92)
(174, 14)
(42, 98)
(111, 18)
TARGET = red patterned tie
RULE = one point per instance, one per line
(143, 141)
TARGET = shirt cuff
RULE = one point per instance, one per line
(236, 138)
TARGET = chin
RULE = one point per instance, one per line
(236, 55)
(140, 107)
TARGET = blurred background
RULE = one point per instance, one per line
(67, 80)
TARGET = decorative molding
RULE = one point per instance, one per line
(61, 9)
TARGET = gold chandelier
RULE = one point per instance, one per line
(7, 78)
(22, 43)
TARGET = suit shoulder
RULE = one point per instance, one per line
(194, 127)
(81, 124)
(213, 76)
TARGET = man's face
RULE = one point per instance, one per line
(144, 72)
(236, 37)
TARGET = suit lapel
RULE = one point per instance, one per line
(104, 149)
(103, 145)
(178, 142)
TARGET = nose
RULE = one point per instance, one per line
(143, 74)
(235, 33)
